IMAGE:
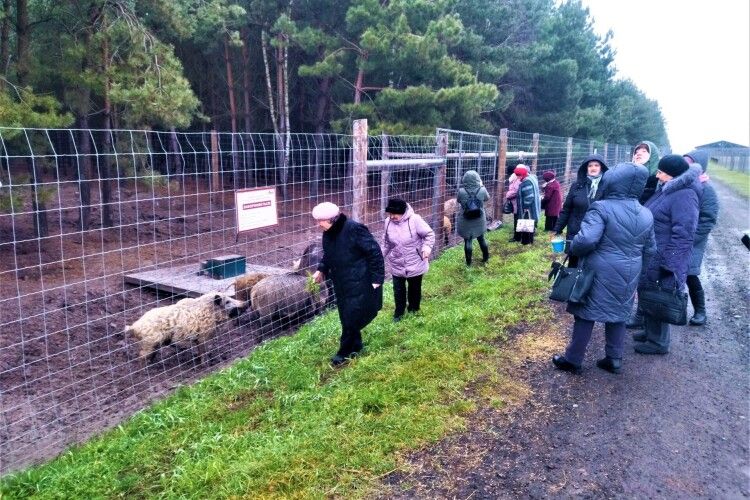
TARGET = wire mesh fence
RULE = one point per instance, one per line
(100, 227)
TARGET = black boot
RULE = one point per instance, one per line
(467, 254)
(635, 320)
(611, 365)
(563, 364)
(698, 298)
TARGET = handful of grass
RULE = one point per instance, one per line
(312, 287)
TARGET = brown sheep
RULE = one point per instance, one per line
(243, 285)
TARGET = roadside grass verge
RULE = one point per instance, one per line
(283, 423)
(738, 182)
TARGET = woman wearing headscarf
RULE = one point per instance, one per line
(528, 202)
(615, 239)
(647, 154)
(579, 198)
(354, 262)
(707, 215)
(408, 242)
(674, 206)
(552, 200)
(511, 195)
(467, 227)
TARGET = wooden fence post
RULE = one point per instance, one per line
(385, 173)
(568, 161)
(617, 154)
(502, 154)
(606, 152)
(438, 188)
(591, 147)
(535, 150)
(359, 171)
(214, 184)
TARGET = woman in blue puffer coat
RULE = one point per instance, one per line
(674, 206)
(615, 241)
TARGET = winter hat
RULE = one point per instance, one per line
(325, 211)
(674, 165)
(521, 171)
(548, 175)
(396, 206)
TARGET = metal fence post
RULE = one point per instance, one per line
(385, 173)
(214, 187)
(502, 153)
(359, 170)
(535, 150)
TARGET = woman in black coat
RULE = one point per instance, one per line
(352, 259)
(580, 196)
(615, 239)
(674, 206)
(707, 216)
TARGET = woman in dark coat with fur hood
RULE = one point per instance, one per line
(615, 240)
(353, 260)
(674, 206)
(580, 196)
(707, 216)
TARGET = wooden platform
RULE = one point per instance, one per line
(185, 280)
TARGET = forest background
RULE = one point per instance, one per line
(407, 66)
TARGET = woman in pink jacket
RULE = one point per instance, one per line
(408, 245)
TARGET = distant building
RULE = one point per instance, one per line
(731, 155)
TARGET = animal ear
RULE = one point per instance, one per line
(217, 299)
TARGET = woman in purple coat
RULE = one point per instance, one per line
(408, 245)
(674, 206)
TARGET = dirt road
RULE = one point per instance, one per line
(673, 426)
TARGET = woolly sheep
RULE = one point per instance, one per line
(187, 322)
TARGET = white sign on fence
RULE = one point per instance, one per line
(256, 208)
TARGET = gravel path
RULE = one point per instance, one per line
(673, 426)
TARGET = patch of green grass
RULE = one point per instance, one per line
(738, 182)
(282, 422)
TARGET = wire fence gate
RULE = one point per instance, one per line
(98, 227)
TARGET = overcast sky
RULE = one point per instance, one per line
(691, 56)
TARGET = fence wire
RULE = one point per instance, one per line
(99, 227)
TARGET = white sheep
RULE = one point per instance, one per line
(187, 322)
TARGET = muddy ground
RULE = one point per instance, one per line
(673, 426)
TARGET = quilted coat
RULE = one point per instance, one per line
(616, 240)
(675, 211)
(353, 260)
(404, 242)
(471, 184)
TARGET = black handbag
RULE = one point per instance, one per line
(665, 304)
(571, 284)
(508, 207)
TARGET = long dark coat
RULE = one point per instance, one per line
(616, 240)
(471, 184)
(675, 209)
(577, 201)
(353, 260)
(707, 214)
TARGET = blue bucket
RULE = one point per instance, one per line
(558, 245)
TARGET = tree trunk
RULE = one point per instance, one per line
(105, 184)
(246, 80)
(23, 39)
(271, 107)
(232, 109)
(5, 41)
(322, 105)
(358, 86)
(23, 36)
